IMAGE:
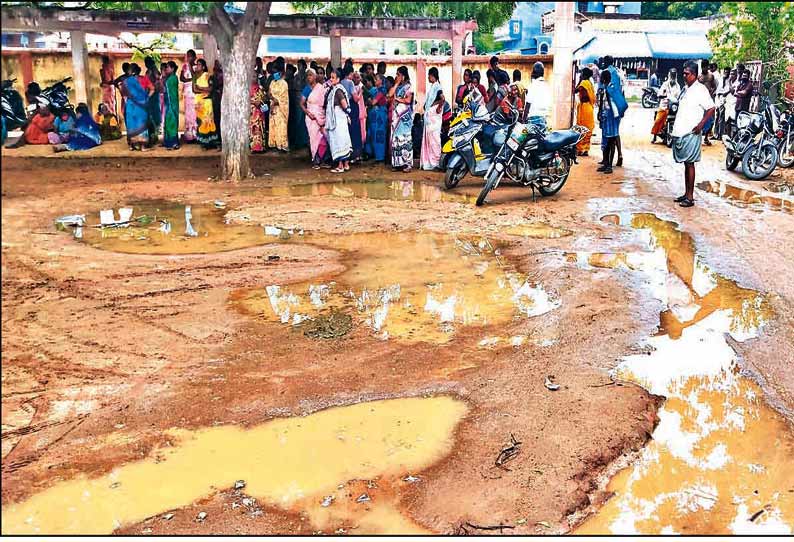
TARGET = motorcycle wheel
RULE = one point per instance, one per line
(731, 161)
(785, 156)
(647, 101)
(489, 184)
(454, 175)
(759, 168)
(554, 187)
(668, 139)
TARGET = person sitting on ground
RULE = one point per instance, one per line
(62, 127)
(37, 129)
(108, 123)
(84, 133)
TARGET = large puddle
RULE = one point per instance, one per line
(298, 464)
(720, 460)
(410, 286)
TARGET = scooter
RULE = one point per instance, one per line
(56, 97)
(467, 151)
(13, 108)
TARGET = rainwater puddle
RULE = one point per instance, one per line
(409, 286)
(720, 459)
(537, 230)
(292, 463)
(171, 228)
(743, 197)
(378, 190)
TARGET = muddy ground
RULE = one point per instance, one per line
(103, 351)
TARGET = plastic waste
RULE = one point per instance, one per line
(106, 217)
(71, 220)
(189, 231)
(125, 214)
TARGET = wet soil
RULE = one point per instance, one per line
(107, 352)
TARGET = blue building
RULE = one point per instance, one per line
(524, 32)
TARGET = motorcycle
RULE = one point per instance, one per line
(469, 149)
(754, 143)
(531, 158)
(13, 108)
(650, 98)
(785, 139)
(667, 130)
(56, 97)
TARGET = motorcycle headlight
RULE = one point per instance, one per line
(743, 121)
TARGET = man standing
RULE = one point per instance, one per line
(695, 109)
(669, 92)
(721, 100)
(744, 92)
(710, 82)
(654, 82)
(538, 98)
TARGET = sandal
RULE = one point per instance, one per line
(687, 203)
(337, 170)
(679, 199)
(315, 166)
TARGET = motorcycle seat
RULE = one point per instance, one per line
(559, 139)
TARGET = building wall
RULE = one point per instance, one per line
(529, 13)
(624, 8)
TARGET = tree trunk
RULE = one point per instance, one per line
(237, 44)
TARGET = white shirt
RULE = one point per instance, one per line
(539, 98)
(670, 90)
(695, 100)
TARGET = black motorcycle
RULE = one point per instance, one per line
(56, 97)
(650, 97)
(785, 139)
(532, 158)
(754, 143)
(13, 108)
(666, 133)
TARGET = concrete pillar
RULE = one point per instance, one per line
(336, 48)
(421, 80)
(562, 49)
(457, 59)
(210, 50)
(80, 67)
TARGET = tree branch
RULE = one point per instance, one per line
(220, 16)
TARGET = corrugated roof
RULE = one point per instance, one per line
(683, 46)
(648, 25)
(619, 45)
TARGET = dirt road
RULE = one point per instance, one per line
(145, 359)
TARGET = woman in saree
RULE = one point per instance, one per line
(256, 123)
(108, 123)
(106, 82)
(84, 134)
(434, 109)
(337, 123)
(358, 97)
(153, 103)
(584, 111)
(171, 103)
(137, 90)
(402, 97)
(312, 105)
(186, 77)
(355, 127)
(377, 117)
(279, 109)
(207, 131)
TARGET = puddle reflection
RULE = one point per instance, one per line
(415, 287)
(719, 453)
(745, 197)
(378, 190)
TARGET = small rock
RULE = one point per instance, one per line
(550, 384)
(273, 257)
(169, 516)
(411, 479)
(114, 485)
(249, 502)
(363, 498)
(327, 501)
(239, 484)
(201, 516)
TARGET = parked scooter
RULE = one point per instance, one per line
(532, 158)
(650, 97)
(13, 108)
(469, 149)
(55, 96)
(754, 143)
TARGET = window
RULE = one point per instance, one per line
(544, 49)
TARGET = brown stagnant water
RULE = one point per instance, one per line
(379, 190)
(747, 197)
(304, 464)
(720, 460)
(408, 286)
